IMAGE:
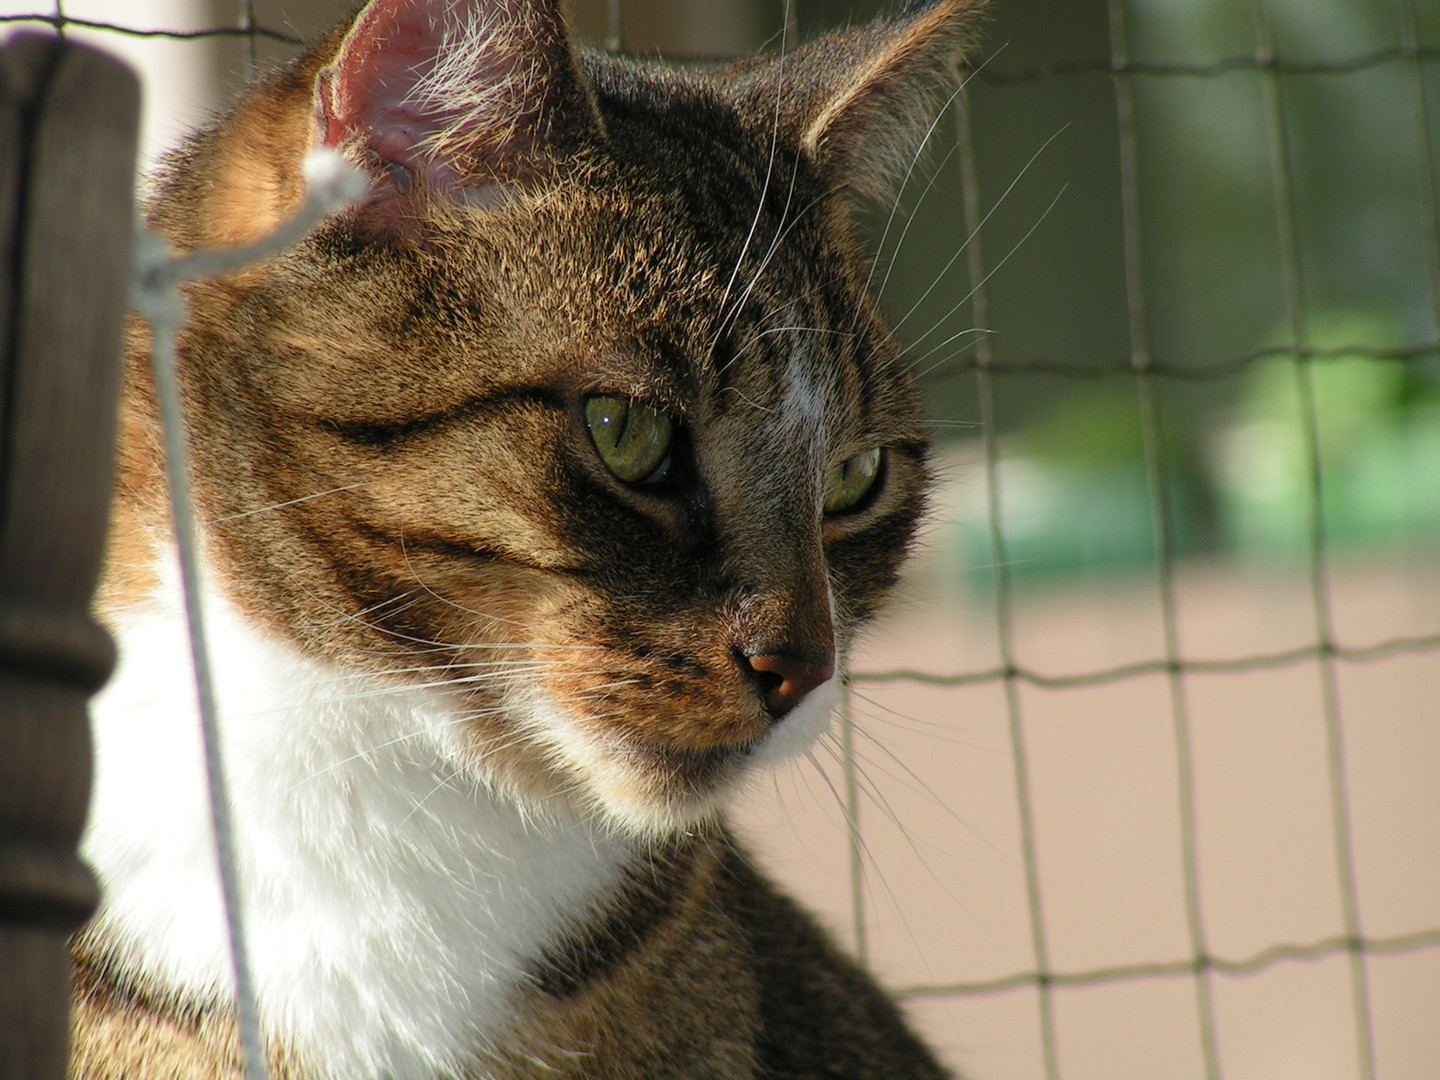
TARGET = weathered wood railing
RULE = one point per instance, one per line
(68, 127)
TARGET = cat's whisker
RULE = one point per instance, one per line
(287, 502)
(343, 617)
(469, 716)
(480, 646)
(915, 159)
(406, 599)
(974, 232)
(795, 221)
(894, 256)
(797, 329)
(840, 800)
(985, 280)
(490, 668)
(504, 671)
(398, 638)
(748, 401)
(976, 332)
(874, 792)
(566, 646)
(364, 755)
(764, 187)
(962, 425)
(491, 746)
(447, 683)
(434, 644)
(398, 652)
(369, 675)
(443, 599)
(852, 828)
(457, 677)
(591, 693)
(818, 285)
(917, 783)
(782, 230)
(487, 677)
(440, 785)
(868, 788)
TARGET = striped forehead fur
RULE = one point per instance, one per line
(805, 418)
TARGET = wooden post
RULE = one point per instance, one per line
(68, 129)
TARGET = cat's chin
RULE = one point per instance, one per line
(657, 791)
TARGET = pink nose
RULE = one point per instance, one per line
(784, 680)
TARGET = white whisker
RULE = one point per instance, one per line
(443, 599)
(982, 282)
(764, 186)
(781, 231)
(860, 842)
(915, 160)
(895, 327)
(288, 502)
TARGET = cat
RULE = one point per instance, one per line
(542, 497)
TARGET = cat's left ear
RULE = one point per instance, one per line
(859, 102)
(455, 93)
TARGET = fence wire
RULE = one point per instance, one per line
(1325, 651)
(1150, 374)
(246, 28)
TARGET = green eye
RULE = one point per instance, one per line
(632, 438)
(851, 481)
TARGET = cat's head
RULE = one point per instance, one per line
(586, 415)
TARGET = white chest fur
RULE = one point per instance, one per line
(391, 901)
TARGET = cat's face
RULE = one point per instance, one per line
(603, 440)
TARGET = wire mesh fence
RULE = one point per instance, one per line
(1342, 636)
(1324, 650)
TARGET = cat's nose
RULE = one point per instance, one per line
(783, 680)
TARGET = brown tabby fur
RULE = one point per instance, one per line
(723, 978)
(424, 360)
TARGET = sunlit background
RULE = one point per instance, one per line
(1141, 777)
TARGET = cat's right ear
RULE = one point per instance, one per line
(458, 96)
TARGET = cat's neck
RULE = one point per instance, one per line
(380, 880)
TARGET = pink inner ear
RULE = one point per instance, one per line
(393, 44)
(459, 93)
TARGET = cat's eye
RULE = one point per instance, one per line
(849, 482)
(632, 438)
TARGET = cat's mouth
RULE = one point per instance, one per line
(694, 770)
(651, 782)
(654, 787)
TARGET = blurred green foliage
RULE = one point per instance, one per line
(1274, 211)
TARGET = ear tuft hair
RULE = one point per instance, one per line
(858, 102)
(459, 93)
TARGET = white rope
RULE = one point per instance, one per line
(155, 293)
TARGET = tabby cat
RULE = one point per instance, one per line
(542, 497)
